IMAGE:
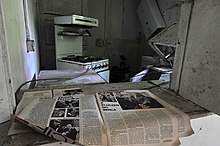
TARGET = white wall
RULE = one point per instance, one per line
(22, 65)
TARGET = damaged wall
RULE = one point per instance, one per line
(119, 29)
(22, 65)
(170, 10)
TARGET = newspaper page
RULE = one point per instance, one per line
(137, 119)
(27, 97)
(184, 125)
(93, 130)
(67, 92)
(65, 117)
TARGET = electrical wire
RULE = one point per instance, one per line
(19, 88)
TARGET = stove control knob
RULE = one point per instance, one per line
(99, 66)
(103, 65)
(106, 64)
(94, 67)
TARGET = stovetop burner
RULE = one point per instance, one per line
(82, 59)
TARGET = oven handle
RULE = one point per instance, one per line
(102, 71)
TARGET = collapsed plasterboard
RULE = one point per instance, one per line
(167, 37)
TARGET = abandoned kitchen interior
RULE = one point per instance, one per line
(109, 72)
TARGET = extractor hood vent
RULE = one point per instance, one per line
(72, 31)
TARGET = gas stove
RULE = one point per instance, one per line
(97, 64)
(69, 31)
(81, 59)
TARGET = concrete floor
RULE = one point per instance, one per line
(25, 139)
(4, 140)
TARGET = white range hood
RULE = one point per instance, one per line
(76, 20)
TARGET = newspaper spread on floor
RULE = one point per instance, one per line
(120, 118)
(139, 118)
(64, 116)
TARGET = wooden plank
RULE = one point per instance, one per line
(188, 107)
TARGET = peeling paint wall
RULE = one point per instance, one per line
(5, 88)
(170, 10)
(22, 65)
